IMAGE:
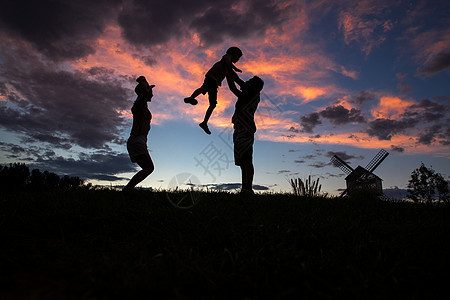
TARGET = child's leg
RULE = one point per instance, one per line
(200, 90)
(212, 104)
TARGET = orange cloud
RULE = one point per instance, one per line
(391, 107)
(310, 93)
(359, 139)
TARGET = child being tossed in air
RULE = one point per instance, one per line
(213, 79)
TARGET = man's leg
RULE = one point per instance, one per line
(248, 172)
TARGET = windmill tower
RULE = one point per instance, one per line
(362, 178)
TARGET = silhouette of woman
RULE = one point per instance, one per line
(137, 142)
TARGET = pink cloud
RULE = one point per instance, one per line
(391, 107)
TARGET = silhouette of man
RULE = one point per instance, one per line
(244, 125)
(137, 142)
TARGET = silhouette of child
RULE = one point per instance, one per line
(213, 79)
(244, 126)
(137, 142)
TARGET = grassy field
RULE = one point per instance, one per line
(100, 245)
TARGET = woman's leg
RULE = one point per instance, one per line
(146, 163)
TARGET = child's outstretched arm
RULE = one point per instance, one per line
(235, 68)
(234, 77)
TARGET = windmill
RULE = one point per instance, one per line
(362, 178)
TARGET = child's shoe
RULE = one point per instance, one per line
(204, 126)
(190, 100)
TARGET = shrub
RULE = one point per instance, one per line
(307, 188)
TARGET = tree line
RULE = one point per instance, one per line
(17, 176)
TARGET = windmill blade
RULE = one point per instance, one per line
(341, 164)
(376, 161)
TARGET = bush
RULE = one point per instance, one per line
(17, 177)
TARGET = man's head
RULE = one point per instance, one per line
(256, 83)
(235, 53)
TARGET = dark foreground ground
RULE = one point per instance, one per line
(98, 245)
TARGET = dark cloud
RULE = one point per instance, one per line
(24, 152)
(101, 166)
(235, 186)
(299, 161)
(428, 105)
(439, 63)
(339, 115)
(283, 171)
(397, 149)
(149, 23)
(294, 130)
(426, 114)
(429, 135)
(220, 21)
(384, 129)
(58, 29)
(343, 155)
(362, 97)
(60, 107)
(319, 164)
(67, 30)
(259, 187)
(309, 156)
(395, 193)
(310, 121)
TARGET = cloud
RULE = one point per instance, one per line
(283, 171)
(22, 152)
(310, 121)
(366, 23)
(150, 23)
(397, 149)
(439, 63)
(235, 186)
(391, 107)
(100, 166)
(427, 137)
(395, 193)
(343, 155)
(339, 115)
(362, 97)
(58, 29)
(428, 105)
(319, 164)
(61, 107)
(384, 129)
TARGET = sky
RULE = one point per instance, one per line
(341, 77)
